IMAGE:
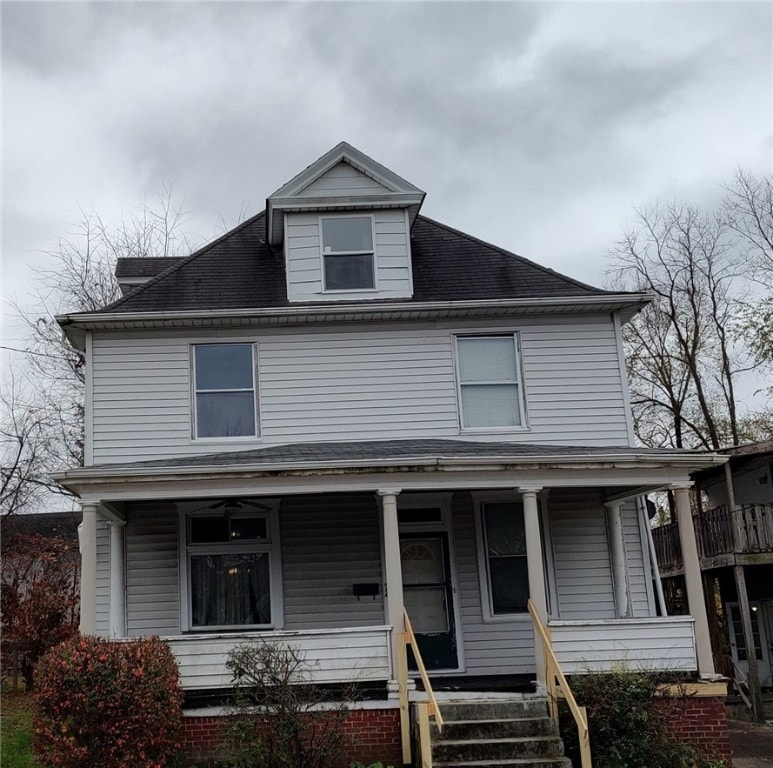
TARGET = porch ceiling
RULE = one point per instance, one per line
(406, 464)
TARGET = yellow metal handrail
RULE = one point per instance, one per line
(558, 687)
(425, 710)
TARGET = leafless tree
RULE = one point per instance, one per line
(44, 424)
(683, 358)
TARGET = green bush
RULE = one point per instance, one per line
(103, 703)
(627, 730)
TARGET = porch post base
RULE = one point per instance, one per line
(393, 688)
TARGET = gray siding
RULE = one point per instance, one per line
(493, 648)
(103, 579)
(342, 180)
(392, 258)
(152, 591)
(637, 564)
(374, 383)
(328, 544)
(581, 554)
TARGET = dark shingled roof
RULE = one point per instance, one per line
(377, 450)
(145, 266)
(241, 271)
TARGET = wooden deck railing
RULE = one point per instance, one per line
(425, 709)
(558, 687)
(720, 531)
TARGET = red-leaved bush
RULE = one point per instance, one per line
(105, 703)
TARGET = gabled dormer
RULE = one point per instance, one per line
(345, 225)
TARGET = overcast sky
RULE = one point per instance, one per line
(535, 126)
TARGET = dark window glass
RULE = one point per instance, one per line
(506, 555)
(424, 515)
(346, 234)
(349, 272)
(230, 589)
(208, 529)
(223, 366)
(248, 528)
(225, 414)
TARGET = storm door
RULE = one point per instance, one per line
(428, 597)
(738, 645)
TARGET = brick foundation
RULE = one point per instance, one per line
(701, 722)
(374, 736)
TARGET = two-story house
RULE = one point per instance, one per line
(341, 410)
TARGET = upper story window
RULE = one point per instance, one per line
(347, 253)
(224, 390)
(489, 381)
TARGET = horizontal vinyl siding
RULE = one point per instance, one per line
(581, 554)
(343, 179)
(152, 591)
(663, 643)
(304, 264)
(328, 544)
(103, 580)
(383, 382)
(494, 648)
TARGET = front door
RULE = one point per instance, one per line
(738, 645)
(428, 598)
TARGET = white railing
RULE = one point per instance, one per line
(355, 654)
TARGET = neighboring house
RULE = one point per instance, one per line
(734, 527)
(342, 408)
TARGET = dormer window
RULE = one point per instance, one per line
(347, 253)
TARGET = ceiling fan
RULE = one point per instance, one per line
(234, 506)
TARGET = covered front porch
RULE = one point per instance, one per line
(460, 534)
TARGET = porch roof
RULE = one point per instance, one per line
(361, 464)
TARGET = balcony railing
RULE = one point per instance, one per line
(719, 531)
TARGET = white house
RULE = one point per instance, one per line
(341, 409)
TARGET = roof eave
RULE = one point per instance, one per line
(75, 324)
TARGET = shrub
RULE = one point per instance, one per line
(39, 596)
(280, 719)
(103, 703)
(627, 730)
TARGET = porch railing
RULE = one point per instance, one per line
(424, 709)
(719, 531)
(558, 687)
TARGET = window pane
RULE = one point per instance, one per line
(422, 561)
(208, 529)
(230, 589)
(347, 272)
(347, 234)
(505, 533)
(427, 608)
(224, 366)
(248, 528)
(225, 414)
(487, 359)
(490, 405)
(509, 584)
(423, 515)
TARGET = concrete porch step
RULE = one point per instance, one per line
(495, 727)
(532, 706)
(496, 749)
(534, 762)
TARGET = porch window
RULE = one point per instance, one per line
(347, 252)
(504, 545)
(224, 390)
(489, 381)
(229, 571)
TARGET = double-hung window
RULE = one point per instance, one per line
(224, 390)
(504, 548)
(348, 261)
(489, 381)
(229, 570)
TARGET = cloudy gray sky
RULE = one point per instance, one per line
(536, 126)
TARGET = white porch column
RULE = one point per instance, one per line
(692, 578)
(87, 536)
(536, 569)
(617, 555)
(117, 580)
(393, 574)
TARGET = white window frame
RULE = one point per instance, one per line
(194, 391)
(480, 500)
(271, 546)
(371, 252)
(521, 399)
